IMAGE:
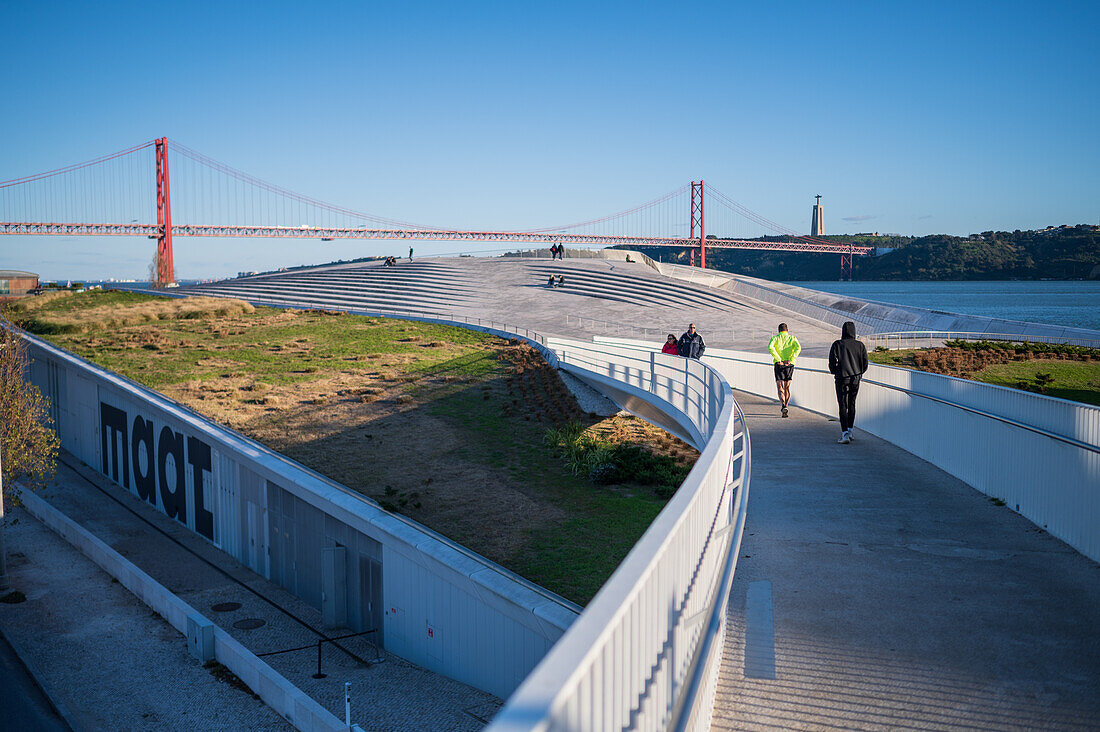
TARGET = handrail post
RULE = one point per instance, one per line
(319, 675)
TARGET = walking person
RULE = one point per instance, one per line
(410, 254)
(670, 346)
(561, 251)
(847, 363)
(691, 343)
(784, 349)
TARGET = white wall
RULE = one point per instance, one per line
(239, 495)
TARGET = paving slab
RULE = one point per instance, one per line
(512, 290)
(901, 597)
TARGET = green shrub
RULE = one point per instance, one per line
(607, 464)
(1024, 347)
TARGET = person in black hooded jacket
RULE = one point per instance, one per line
(691, 343)
(847, 362)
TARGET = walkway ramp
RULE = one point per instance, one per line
(899, 597)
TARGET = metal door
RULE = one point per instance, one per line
(371, 606)
(334, 586)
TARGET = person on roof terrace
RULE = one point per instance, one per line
(784, 349)
(691, 343)
(671, 346)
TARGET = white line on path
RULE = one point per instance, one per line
(759, 632)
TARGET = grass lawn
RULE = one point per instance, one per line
(441, 424)
(1075, 380)
(1078, 381)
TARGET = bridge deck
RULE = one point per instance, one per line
(901, 598)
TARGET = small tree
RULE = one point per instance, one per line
(28, 448)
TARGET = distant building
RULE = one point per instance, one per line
(15, 282)
(817, 223)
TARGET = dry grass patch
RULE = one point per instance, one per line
(112, 316)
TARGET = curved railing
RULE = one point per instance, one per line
(1038, 454)
(645, 652)
(933, 338)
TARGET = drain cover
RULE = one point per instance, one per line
(224, 607)
(249, 624)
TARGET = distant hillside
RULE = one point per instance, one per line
(1071, 252)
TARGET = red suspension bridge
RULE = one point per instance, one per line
(110, 196)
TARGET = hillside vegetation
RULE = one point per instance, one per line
(1070, 253)
(1063, 371)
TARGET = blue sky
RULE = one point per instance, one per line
(917, 118)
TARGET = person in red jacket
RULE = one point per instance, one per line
(670, 346)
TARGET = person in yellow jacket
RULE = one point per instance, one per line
(784, 349)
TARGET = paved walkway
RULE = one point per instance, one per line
(24, 703)
(901, 598)
(102, 648)
(512, 290)
(104, 658)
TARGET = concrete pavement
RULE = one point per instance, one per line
(900, 597)
(24, 703)
(102, 655)
(116, 665)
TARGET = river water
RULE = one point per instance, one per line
(1071, 303)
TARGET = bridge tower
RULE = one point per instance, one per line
(697, 218)
(166, 272)
(846, 264)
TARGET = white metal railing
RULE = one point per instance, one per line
(932, 338)
(645, 652)
(609, 326)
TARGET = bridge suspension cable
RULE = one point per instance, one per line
(115, 195)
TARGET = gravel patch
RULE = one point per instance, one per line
(588, 398)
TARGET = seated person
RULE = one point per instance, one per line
(561, 281)
(550, 282)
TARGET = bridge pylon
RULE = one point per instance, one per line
(166, 271)
(697, 218)
(846, 264)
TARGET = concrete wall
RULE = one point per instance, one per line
(433, 602)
